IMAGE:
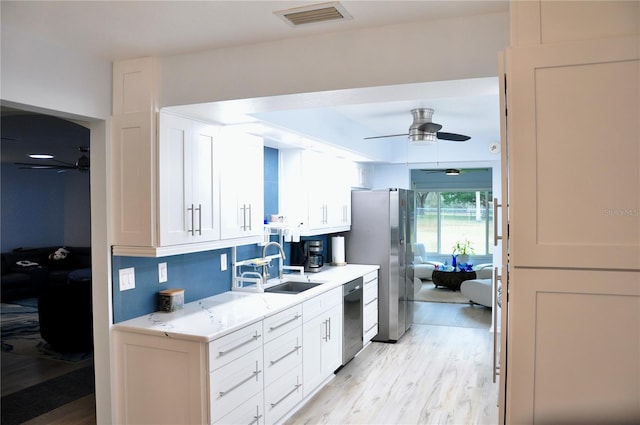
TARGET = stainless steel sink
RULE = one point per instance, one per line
(292, 287)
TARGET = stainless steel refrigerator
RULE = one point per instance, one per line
(382, 233)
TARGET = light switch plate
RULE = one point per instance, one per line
(162, 272)
(223, 262)
(127, 278)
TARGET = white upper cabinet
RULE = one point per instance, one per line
(241, 184)
(188, 181)
(315, 191)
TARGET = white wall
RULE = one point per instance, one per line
(431, 51)
(38, 73)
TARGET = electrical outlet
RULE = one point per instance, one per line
(162, 272)
(127, 278)
(223, 262)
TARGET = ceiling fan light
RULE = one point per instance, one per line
(40, 156)
(452, 172)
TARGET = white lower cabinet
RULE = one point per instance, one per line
(250, 412)
(370, 302)
(322, 335)
(283, 395)
(232, 384)
(254, 375)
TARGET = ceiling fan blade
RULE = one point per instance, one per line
(452, 136)
(32, 166)
(388, 135)
(429, 127)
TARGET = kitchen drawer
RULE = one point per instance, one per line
(234, 345)
(283, 395)
(370, 292)
(369, 277)
(250, 412)
(283, 322)
(323, 302)
(235, 383)
(370, 324)
(282, 354)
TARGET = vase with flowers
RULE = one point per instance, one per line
(461, 251)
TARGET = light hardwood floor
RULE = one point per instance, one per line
(438, 373)
(435, 374)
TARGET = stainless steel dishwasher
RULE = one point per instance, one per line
(352, 293)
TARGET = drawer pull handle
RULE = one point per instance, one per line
(295, 350)
(253, 338)
(371, 327)
(370, 302)
(295, 388)
(293, 319)
(256, 418)
(254, 374)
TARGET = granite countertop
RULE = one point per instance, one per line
(213, 317)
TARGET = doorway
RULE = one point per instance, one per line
(47, 212)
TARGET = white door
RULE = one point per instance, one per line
(573, 330)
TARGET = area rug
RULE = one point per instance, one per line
(39, 399)
(429, 292)
(20, 334)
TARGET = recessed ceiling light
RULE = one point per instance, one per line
(40, 156)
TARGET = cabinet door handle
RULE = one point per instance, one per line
(244, 216)
(496, 366)
(370, 302)
(235, 347)
(496, 205)
(254, 374)
(249, 218)
(199, 219)
(192, 231)
(295, 350)
(295, 388)
(326, 334)
(329, 327)
(293, 319)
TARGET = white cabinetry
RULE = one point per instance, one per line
(572, 339)
(188, 195)
(370, 302)
(315, 191)
(236, 370)
(241, 185)
(322, 333)
(282, 363)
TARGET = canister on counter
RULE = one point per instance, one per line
(171, 300)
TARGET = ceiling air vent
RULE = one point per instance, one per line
(314, 13)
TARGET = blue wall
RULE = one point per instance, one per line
(198, 274)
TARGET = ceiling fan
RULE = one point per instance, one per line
(453, 171)
(423, 130)
(81, 164)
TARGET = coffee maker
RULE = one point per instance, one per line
(314, 260)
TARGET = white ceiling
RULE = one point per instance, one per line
(124, 29)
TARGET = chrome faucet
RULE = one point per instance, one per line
(265, 274)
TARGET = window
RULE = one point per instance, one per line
(443, 218)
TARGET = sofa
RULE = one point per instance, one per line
(26, 271)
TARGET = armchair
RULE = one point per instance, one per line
(422, 268)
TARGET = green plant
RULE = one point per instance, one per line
(463, 248)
